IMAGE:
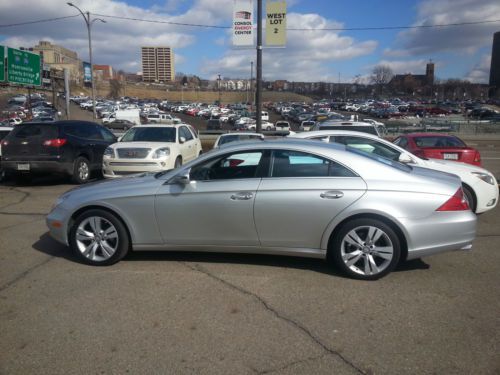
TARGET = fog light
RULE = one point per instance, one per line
(491, 202)
(163, 163)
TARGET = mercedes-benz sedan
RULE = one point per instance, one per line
(362, 212)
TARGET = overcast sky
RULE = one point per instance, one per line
(312, 55)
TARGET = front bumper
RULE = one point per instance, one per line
(116, 168)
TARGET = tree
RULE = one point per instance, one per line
(381, 75)
(115, 87)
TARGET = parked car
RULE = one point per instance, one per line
(233, 137)
(282, 125)
(151, 148)
(348, 125)
(74, 148)
(439, 146)
(120, 124)
(479, 185)
(273, 197)
(306, 126)
(4, 131)
(214, 124)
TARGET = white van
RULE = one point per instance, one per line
(131, 115)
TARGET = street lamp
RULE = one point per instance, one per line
(218, 80)
(88, 22)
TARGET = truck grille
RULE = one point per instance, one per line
(133, 153)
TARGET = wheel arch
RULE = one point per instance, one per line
(98, 207)
(472, 192)
(396, 228)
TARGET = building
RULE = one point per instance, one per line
(59, 58)
(413, 82)
(495, 66)
(103, 72)
(158, 64)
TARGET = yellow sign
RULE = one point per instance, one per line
(276, 23)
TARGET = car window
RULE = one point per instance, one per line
(184, 132)
(438, 141)
(107, 135)
(401, 142)
(193, 130)
(31, 130)
(370, 146)
(233, 166)
(94, 132)
(287, 163)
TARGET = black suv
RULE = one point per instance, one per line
(73, 148)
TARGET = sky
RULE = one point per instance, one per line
(311, 54)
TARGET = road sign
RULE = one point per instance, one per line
(23, 67)
(2, 63)
(276, 23)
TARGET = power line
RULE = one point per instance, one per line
(308, 29)
(290, 29)
(38, 21)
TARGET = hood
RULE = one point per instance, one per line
(141, 144)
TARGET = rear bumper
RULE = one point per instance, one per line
(37, 166)
(443, 231)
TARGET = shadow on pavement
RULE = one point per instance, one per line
(49, 246)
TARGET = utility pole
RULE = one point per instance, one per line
(258, 96)
(88, 22)
(218, 80)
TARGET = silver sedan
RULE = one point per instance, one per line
(363, 213)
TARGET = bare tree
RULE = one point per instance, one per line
(115, 87)
(381, 74)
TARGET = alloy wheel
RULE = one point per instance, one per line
(97, 238)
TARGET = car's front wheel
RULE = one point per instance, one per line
(470, 198)
(178, 162)
(365, 249)
(99, 238)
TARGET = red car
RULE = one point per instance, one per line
(439, 146)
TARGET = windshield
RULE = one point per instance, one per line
(150, 134)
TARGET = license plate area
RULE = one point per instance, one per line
(450, 156)
(23, 167)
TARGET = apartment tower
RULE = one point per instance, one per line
(157, 64)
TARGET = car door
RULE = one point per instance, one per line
(303, 194)
(216, 207)
(188, 148)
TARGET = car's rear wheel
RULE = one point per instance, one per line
(81, 170)
(470, 198)
(99, 238)
(365, 249)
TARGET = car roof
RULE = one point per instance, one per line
(160, 125)
(243, 133)
(313, 133)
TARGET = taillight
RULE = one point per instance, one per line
(4, 143)
(477, 157)
(58, 142)
(457, 202)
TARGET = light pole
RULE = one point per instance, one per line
(88, 22)
(218, 80)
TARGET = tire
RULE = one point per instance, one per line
(268, 128)
(470, 198)
(199, 153)
(99, 238)
(81, 171)
(360, 257)
(178, 162)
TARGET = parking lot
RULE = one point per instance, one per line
(223, 313)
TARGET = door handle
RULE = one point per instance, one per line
(332, 194)
(241, 196)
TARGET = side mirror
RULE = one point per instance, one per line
(119, 139)
(182, 139)
(405, 158)
(181, 178)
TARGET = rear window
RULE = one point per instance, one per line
(34, 130)
(438, 142)
(237, 137)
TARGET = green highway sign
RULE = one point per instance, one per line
(2, 63)
(23, 67)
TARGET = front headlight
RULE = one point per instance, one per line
(109, 152)
(485, 177)
(161, 153)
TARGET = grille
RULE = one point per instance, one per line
(133, 153)
(125, 164)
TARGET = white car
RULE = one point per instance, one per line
(151, 148)
(479, 185)
(233, 137)
(282, 125)
(265, 125)
(306, 126)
